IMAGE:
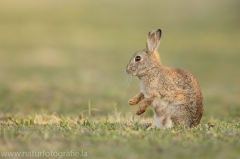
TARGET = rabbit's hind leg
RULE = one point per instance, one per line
(163, 121)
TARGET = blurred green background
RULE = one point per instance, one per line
(56, 56)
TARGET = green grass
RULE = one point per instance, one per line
(63, 84)
(116, 137)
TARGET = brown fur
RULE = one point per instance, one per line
(172, 92)
(164, 121)
(156, 57)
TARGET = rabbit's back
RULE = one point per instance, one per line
(181, 91)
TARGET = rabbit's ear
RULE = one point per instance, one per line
(153, 40)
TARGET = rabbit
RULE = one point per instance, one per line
(173, 93)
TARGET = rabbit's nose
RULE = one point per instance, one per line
(128, 70)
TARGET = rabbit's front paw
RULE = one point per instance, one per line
(140, 111)
(132, 101)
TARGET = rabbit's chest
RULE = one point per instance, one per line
(150, 89)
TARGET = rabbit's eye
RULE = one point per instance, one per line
(137, 58)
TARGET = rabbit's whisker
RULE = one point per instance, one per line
(129, 81)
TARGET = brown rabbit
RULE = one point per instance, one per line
(173, 93)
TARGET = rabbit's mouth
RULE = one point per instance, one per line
(129, 71)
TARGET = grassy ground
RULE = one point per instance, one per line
(63, 84)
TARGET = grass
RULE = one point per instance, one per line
(63, 84)
(115, 137)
